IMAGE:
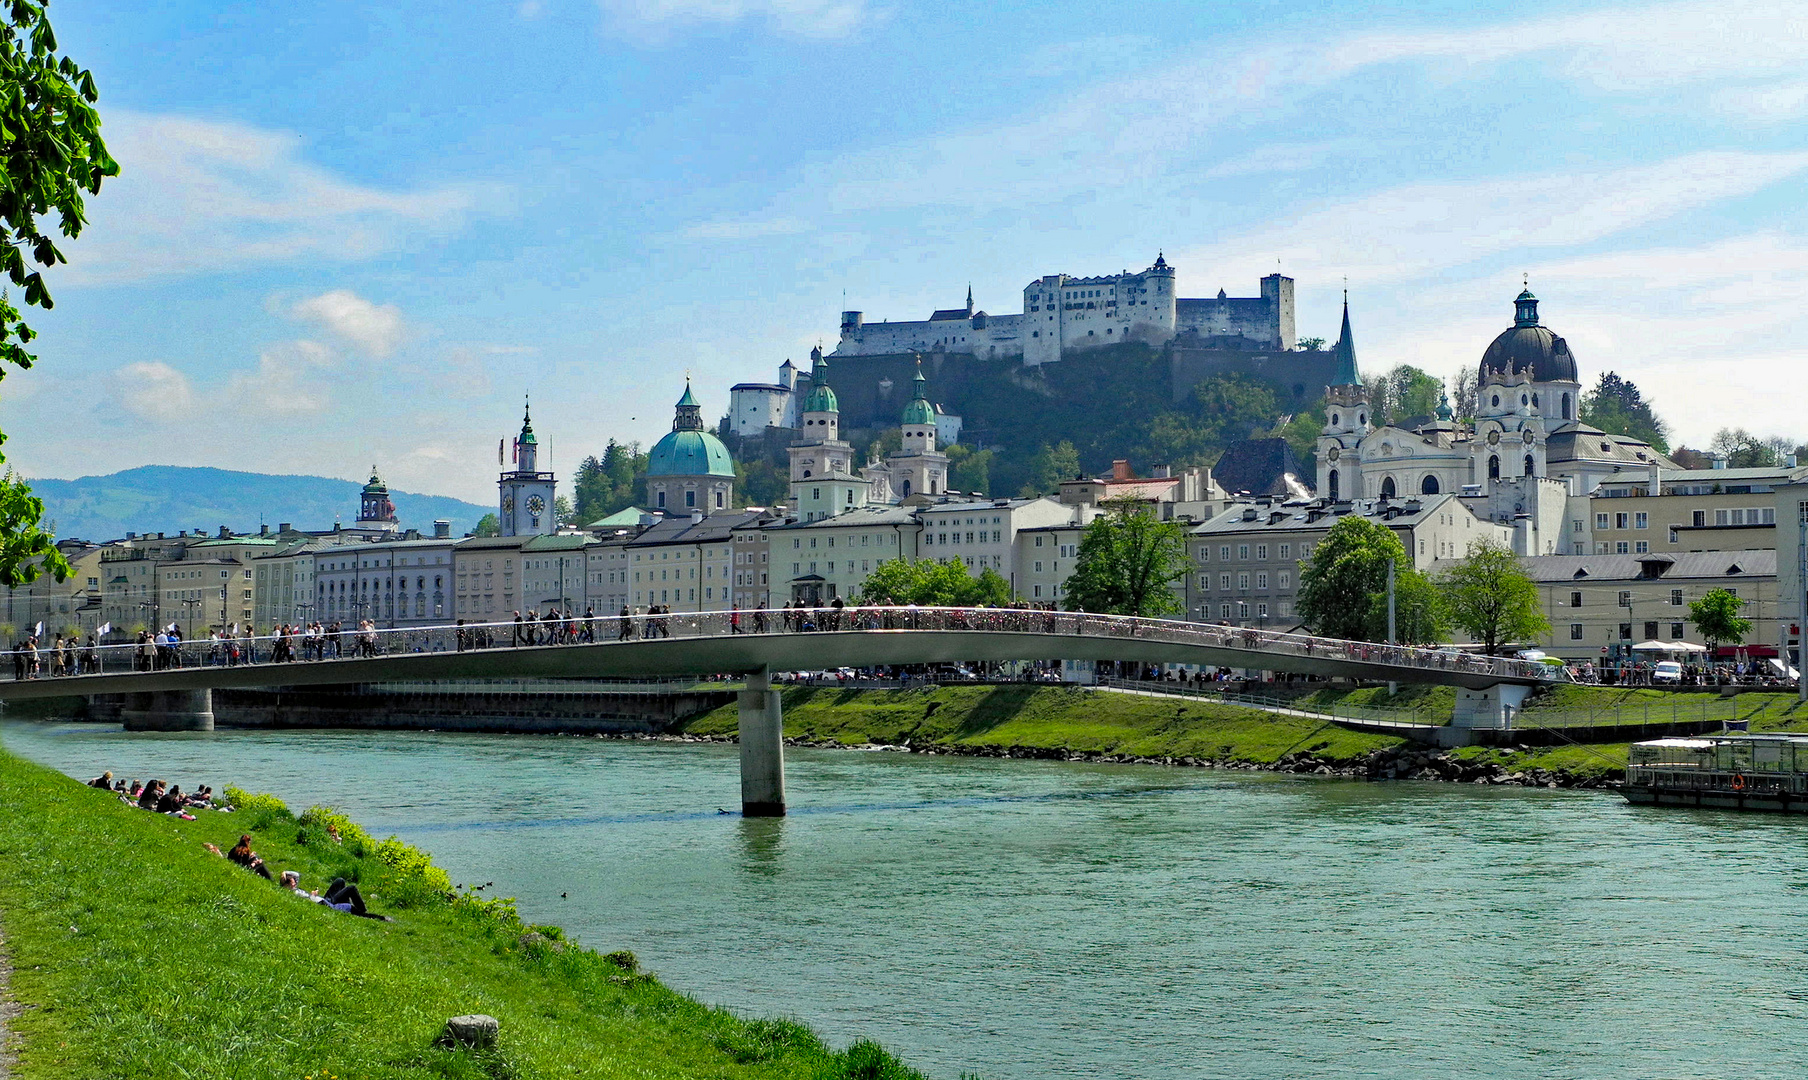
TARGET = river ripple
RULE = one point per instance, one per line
(1029, 919)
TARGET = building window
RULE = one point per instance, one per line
(1243, 582)
(1641, 520)
(1651, 631)
(1641, 547)
(1600, 522)
(1261, 581)
(1620, 548)
(1575, 526)
(1284, 580)
(1243, 552)
(1675, 597)
(1261, 551)
(1619, 521)
(1625, 598)
(1625, 631)
(1676, 631)
(1224, 582)
(1224, 551)
(1575, 599)
(1575, 631)
(1224, 611)
(1286, 551)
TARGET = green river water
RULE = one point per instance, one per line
(1032, 919)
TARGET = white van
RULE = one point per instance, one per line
(1667, 671)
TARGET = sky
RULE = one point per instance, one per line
(348, 234)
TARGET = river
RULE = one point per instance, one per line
(1032, 919)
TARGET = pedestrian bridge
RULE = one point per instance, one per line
(171, 687)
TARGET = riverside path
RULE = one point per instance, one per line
(170, 688)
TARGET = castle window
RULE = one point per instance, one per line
(1566, 406)
(1428, 486)
(1528, 465)
(1494, 467)
(1496, 401)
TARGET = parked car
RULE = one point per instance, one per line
(1667, 671)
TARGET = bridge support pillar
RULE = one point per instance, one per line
(1491, 709)
(168, 710)
(762, 735)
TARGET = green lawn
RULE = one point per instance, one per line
(139, 954)
(1051, 718)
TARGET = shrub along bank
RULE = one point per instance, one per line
(136, 952)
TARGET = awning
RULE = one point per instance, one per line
(1669, 647)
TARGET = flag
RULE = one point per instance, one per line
(104, 630)
(515, 454)
(170, 629)
(39, 632)
(499, 443)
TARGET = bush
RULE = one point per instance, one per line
(261, 811)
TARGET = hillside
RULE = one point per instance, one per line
(169, 498)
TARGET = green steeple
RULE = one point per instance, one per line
(1444, 410)
(919, 411)
(821, 399)
(688, 414)
(527, 424)
(1343, 372)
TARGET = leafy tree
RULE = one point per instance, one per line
(1717, 616)
(1743, 450)
(974, 473)
(1052, 466)
(50, 153)
(609, 484)
(1492, 598)
(561, 510)
(1420, 617)
(1616, 407)
(1347, 571)
(1229, 407)
(488, 525)
(932, 583)
(760, 483)
(1128, 563)
(1465, 390)
(1402, 393)
(1309, 344)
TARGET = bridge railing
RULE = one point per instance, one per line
(337, 642)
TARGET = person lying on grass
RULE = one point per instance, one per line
(341, 895)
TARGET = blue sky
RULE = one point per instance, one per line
(356, 233)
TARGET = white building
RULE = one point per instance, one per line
(1062, 313)
(397, 583)
(525, 495)
(754, 407)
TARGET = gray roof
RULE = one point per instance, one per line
(1319, 516)
(860, 516)
(682, 530)
(1676, 566)
(1577, 441)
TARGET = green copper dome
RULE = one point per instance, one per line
(821, 398)
(919, 411)
(689, 453)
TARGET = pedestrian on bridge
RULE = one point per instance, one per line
(625, 628)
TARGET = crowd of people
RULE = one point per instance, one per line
(66, 655)
(159, 797)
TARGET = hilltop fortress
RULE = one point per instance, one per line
(1063, 314)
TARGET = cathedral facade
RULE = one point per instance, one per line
(1526, 427)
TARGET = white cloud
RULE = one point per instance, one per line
(742, 229)
(291, 378)
(656, 19)
(374, 329)
(1410, 231)
(154, 391)
(203, 196)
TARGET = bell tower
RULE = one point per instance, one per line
(1346, 421)
(526, 494)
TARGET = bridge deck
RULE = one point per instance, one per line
(738, 643)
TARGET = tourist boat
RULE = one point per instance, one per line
(1734, 770)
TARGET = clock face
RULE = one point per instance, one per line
(508, 503)
(1493, 438)
(1528, 436)
(1333, 454)
(536, 505)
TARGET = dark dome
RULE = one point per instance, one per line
(1526, 346)
(1530, 348)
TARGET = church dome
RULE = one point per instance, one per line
(821, 399)
(919, 411)
(689, 453)
(1530, 348)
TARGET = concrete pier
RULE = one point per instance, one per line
(168, 710)
(762, 735)
(1492, 709)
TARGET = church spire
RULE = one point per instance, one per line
(1343, 369)
(969, 299)
(688, 414)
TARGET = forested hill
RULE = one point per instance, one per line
(169, 498)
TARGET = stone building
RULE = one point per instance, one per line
(1246, 561)
(1063, 313)
(1599, 606)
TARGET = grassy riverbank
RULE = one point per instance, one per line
(138, 953)
(1051, 719)
(1038, 720)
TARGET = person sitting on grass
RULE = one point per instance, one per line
(153, 791)
(171, 801)
(242, 854)
(104, 781)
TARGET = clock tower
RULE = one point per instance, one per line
(526, 506)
